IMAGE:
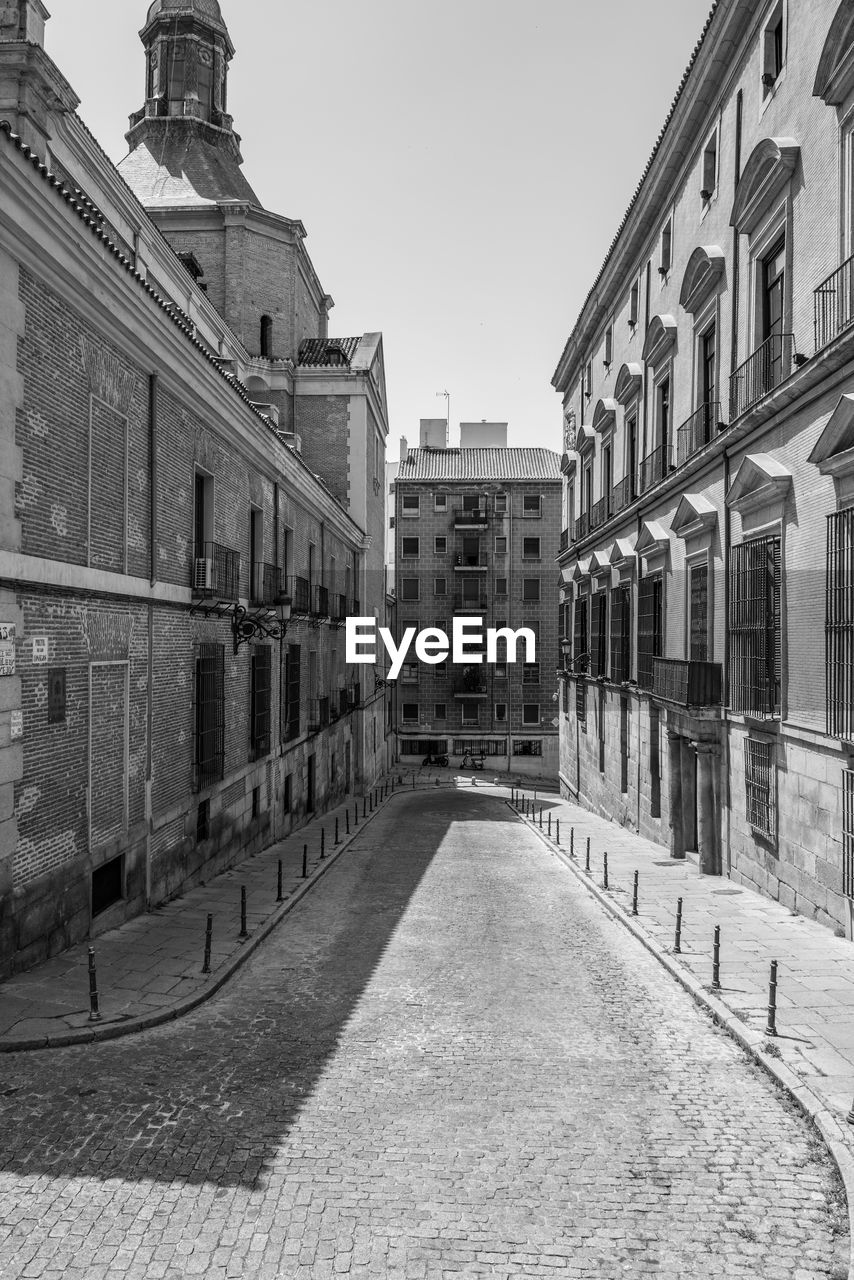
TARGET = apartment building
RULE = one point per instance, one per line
(177, 552)
(708, 397)
(476, 536)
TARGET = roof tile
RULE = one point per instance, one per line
(480, 464)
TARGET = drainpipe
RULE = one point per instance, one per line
(152, 535)
(645, 379)
(635, 654)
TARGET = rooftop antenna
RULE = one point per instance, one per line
(447, 396)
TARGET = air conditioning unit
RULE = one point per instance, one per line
(203, 574)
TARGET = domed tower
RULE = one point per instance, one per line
(183, 148)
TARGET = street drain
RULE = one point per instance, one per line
(671, 862)
(723, 891)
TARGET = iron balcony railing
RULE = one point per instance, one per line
(653, 467)
(697, 431)
(582, 526)
(474, 519)
(471, 687)
(318, 714)
(769, 365)
(268, 586)
(599, 513)
(354, 695)
(469, 603)
(300, 592)
(321, 601)
(216, 572)
(564, 539)
(688, 684)
(833, 303)
(622, 494)
(339, 607)
(470, 560)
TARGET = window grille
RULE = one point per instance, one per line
(423, 746)
(760, 787)
(839, 624)
(289, 717)
(579, 644)
(650, 627)
(261, 684)
(755, 627)
(481, 746)
(527, 747)
(599, 634)
(621, 634)
(848, 832)
(210, 715)
(581, 701)
(698, 591)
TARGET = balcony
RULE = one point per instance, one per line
(833, 303)
(354, 696)
(653, 467)
(622, 495)
(470, 603)
(697, 431)
(471, 558)
(769, 365)
(321, 602)
(216, 572)
(687, 684)
(477, 518)
(582, 527)
(339, 607)
(318, 714)
(598, 514)
(564, 541)
(267, 586)
(300, 595)
(473, 685)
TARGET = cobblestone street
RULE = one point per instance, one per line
(446, 1061)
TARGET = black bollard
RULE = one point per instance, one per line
(94, 1011)
(587, 857)
(604, 871)
(771, 1029)
(716, 960)
(279, 894)
(386, 789)
(347, 820)
(337, 841)
(635, 896)
(572, 842)
(677, 945)
(206, 966)
(356, 814)
(557, 830)
(243, 930)
(364, 808)
(371, 802)
(550, 827)
(305, 862)
(322, 842)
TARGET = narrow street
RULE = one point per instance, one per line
(447, 1061)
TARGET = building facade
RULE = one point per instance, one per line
(708, 623)
(191, 473)
(476, 536)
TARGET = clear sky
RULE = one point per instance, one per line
(461, 166)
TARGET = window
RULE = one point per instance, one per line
(773, 49)
(530, 713)
(409, 711)
(666, 253)
(266, 337)
(532, 504)
(175, 56)
(56, 695)
(581, 703)
(662, 415)
(470, 711)
(409, 589)
(527, 747)
(709, 177)
(440, 711)
(472, 502)
(440, 586)
(260, 685)
(410, 504)
(289, 726)
(441, 624)
(609, 346)
(760, 787)
(108, 884)
(409, 673)
(580, 653)
(607, 477)
(650, 627)
(501, 586)
(530, 673)
(209, 715)
(530, 548)
(499, 670)
(500, 503)
(203, 523)
(440, 502)
(501, 546)
(203, 822)
(530, 588)
(631, 456)
(440, 546)
(204, 81)
(599, 635)
(501, 711)
(423, 746)
(708, 373)
(755, 632)
(621, 634)
(409, 546)
(698, 612)
(839, 624)
(634, 303)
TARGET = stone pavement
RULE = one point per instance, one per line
(448, 1061)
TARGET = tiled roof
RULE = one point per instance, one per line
(321, 352)
(480, 464)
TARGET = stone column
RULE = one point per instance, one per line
(707, 834)
(677, 832)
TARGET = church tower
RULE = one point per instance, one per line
(183, 148)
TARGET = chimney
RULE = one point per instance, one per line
(404, 449)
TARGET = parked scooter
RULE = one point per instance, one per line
(470, 761)
(439, 761)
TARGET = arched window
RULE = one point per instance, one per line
(267, 337)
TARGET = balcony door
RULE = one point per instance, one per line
(773, 300)
(708, 381)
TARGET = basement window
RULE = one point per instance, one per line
(107, 885)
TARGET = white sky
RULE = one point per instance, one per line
(461, 166)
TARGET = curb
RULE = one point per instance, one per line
(144, 1022)
(827, 1123)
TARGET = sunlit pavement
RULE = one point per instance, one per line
(447, 1060)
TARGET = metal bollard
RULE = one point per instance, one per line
(604, 871)
(356, 814)
(572, 842)
(587, 857)
(677, 945)
(347, 820)
(243, 930)
(206, 966)
(541, 817)
(279, 894)
(322, 842)
(305, 862)
(716, 960)
(94, 1012)
(365, 808)
(371, 802)
(635, 896)
(771, 1029)
(550, 827)
(557, 830)
(337, 840)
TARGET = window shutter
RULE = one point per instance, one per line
(579, 647)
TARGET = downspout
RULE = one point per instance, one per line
(645, 378)
(153, 387)
(635, 655)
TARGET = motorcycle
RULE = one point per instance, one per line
(439, 761)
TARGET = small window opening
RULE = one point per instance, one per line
(203, 821)
(107, 887)
(266, 337)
